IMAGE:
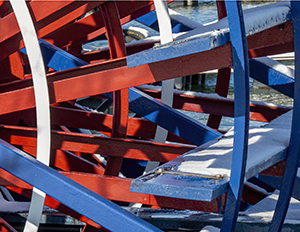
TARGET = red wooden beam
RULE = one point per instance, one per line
(280, 34)
(117, 49)
(137, 127)
(5, 226)
(222, 106)
(50, 17)
(90, 27)
(68, 85)
(77, 142)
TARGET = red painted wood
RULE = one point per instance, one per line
(5, 226)
(274, 36)
(11, 68)
(271, 50)
(120, 77)
(10, 38)
(59, 158)
(138, 128)
(221, 107)
(223, 77)
(275, 170)
(221, 9)
(77, 142)
(92, 26)
(117, 49)
(5, 8)
(222, 86)
(89, 228)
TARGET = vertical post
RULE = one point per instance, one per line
(241, 113)
(42, 105)
(120, 97)
(223, 76)
(166, 36)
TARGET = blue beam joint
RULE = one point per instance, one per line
(169, 118)
(293, 156)
(272, 78)
(57, 58)
(241, 113)
(69, 192)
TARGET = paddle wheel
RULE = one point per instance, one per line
(87, 160)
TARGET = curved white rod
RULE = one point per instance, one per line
(165, 30)
(42, 104)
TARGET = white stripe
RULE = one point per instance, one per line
(165, 30)
(42, 103)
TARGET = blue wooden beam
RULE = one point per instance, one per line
(169, 118)
(68, 192)
(241, 113)
(262, 70)
(276, 182)
(179, 48)
(57, 58)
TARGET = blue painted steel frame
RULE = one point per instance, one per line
(293, 156)
(139, 102)
(241, 113)
(68, 192)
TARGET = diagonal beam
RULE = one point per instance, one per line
(273, 74)
(68, 192)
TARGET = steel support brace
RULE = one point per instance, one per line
(293, 156)
(241, 114)
(68, 192)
